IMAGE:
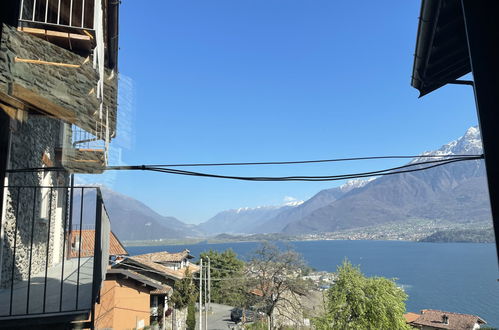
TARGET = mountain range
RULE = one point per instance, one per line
(455, 192)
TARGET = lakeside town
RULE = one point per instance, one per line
(224, 88)
(412, 231)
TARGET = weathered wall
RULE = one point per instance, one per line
(176, 320)
(31, 140)
(71, 88)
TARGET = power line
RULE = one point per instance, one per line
(304, 161)
(135, 167)
(421, 165)
(389, 171)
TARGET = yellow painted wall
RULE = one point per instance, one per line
(124, 303)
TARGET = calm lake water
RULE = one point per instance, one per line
(455, 277)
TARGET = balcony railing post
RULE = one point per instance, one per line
(47, 250)
(31, 248)
(59, 12)
(68, 216)
(97, 271)
(79, 247)
(34, 11)
(14, 253)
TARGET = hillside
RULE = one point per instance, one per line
(132, 219)
(455, 192)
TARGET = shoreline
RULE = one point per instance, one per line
(195, 241)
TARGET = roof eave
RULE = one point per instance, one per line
(426, 29)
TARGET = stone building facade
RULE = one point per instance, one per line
(58, 113)
(33, 218)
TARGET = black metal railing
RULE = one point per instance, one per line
(55, 250)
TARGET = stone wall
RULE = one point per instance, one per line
(70, 88)
(176, 320)
(29, 208)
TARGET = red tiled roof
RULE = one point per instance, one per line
(88, 243)
(164, 256)
(159, 268)
(456, 321)
(410, 317)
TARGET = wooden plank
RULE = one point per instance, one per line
(31, 30)
(57, 34)
(12, 112)
(43, 104)
(31, 61)
(7, 99)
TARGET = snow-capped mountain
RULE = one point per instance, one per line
(469, 144)
(354, 184)
(455, 192)
(244, 220)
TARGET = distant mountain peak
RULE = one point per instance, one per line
(293, 203)
(468, 144)
(355, 183)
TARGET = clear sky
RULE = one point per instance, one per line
(263, 80)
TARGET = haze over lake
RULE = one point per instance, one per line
(455, 277)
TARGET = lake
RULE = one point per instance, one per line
(454, 277)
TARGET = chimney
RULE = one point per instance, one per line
(445, 319)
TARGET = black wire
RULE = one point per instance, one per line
(317, 178)
(174, 171)
(303, 161)
(390, 171)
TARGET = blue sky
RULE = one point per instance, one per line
(261, 80)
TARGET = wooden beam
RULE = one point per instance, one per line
(9, 100)
(31, 61)
(43, 104)
(14, 113)
(57, 34)
(10, 111)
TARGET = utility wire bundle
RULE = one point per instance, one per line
(421, 165)
(411, 167)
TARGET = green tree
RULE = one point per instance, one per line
(225, 267)
(191, 316)
(184, 292)
(359, 302)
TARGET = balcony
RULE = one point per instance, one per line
(67, 23)
(60, 61)
(52, 265)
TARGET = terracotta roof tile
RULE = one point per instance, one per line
(164, 256)
(88, 243)
(456, 321)
(410, 317)
(166, 290)
(176, 274)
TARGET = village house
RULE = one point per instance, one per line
(431, 319)
(58, 114)
(125, 300)
(82, 244)
(125, 296)
(165, 268)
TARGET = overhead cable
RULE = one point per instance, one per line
(411, 167)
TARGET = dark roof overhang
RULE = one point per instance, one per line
(441, 46)
(137, 277)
